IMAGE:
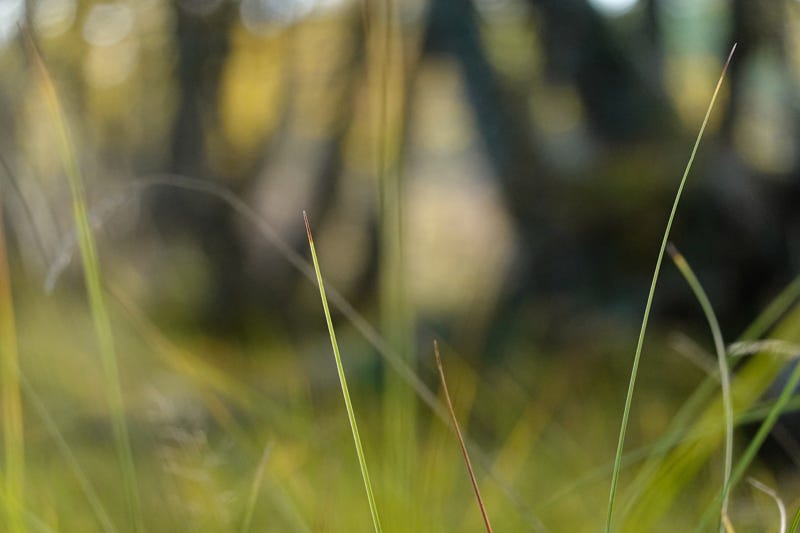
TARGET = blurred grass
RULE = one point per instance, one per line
(13, 478)
(91, 269)
(542, 436)
(201, 409)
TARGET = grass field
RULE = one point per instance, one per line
(112, 421)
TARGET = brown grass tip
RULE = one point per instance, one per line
(308, 228)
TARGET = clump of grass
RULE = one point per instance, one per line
(678, 432)
(637, 355)
(94, 289)
(461, 438)
(373, 508)
(724, 371)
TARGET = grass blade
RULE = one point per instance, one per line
(795, 522)
(13, 433)
(461, 438)
(755, 443)
(764, 322)
(774, 495)
(722, 359)
(255, 488)
(103, 519)
(373, 508)
(637, 356)
(177, 181)
(94, 289)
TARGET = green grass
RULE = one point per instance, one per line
(535, 467)
(795, 522)
(291, 500)
(724, 370)
(362, 461)
(94, 289)
(640, 342)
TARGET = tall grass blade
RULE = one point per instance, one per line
(13, 433)
(637, 356)
(386, 81)
(94, 288)
(373, 508)
(722, 360)
(461, 438)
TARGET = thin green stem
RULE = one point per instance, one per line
(637, 356)
(722, 360)
(255, 487)
(373, 508)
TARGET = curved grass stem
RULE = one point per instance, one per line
(722, 359)
(637, 356)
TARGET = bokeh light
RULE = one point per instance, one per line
(614, 7)
(12, 13)
(51, 18)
